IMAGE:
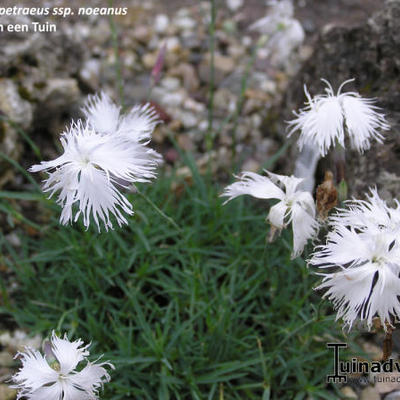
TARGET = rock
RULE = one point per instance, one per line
(185, 23)
(172, 99)
(387, 382)
(14, 240)
(393, 396)
(142, 34)
(6, 360)
(223, 66)
(185, 143)
(370, 393)
(6, 393)
(234, 5)
(224, 100)
(188, 75)
(170, 83)
(188, 119)
(251, 165)
(192, 105)
(369, 53)
(348, 392)
(57, 98)
(172, 44)
(90, 73)
(149, 59)
(17, 110)
(161, 23)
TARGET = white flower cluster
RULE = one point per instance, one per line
(106, 151)
(57, 375)
(362, 253)
(361, 257)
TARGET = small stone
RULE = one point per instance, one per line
(348, 392)
(268, 86)
(172, 44)
(188, 74)
(149, 60)
(188, 119)
(374, 351)
(393, 396)
(175, 125)
(14, 240)
(170, 83)
(387, 382)
(185, 23)
(6, 393)
(185, 143)
(223, 65)
(370, 393)
(251, 165)
(142, 34)
(224, 99)
(6, 360)
(236, 51)
(172, 99)
(234, 5)
(193, 105)
(90, 73)
(161, 23)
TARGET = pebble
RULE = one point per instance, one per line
(161, 23)
(234, 5)
(348, 392)
(370, 393)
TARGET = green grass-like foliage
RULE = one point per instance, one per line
(208, 312)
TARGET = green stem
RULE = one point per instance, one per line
(118, 68)
(240, 102)
(210, 136)
(159, 211)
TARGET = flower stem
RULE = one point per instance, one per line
(209, 136)
(118, 69)
(159, 211)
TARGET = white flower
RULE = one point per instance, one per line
(363, 253)
(41, 379)
(326, 118)
(295, 206)
(106, 151)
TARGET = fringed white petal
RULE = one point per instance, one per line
(255, 185)
(320, 123)
(98, 196)
(34, 373)
(304, 226)
(101, 113)
(277, 214)
(139, 123)
(290, 183)
(51, 392)
(69, 354)
(92, 377)
(362, 121)
(349, 290)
